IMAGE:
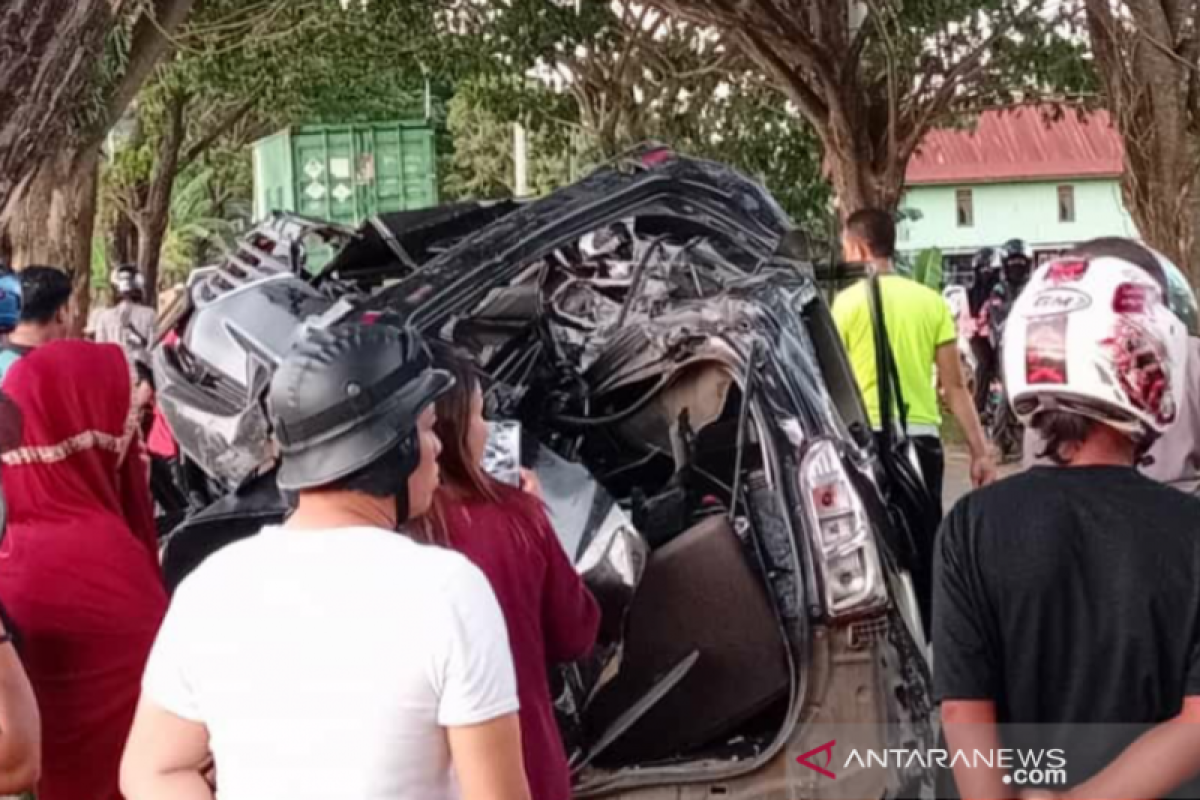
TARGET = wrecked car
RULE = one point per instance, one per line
(704, 453)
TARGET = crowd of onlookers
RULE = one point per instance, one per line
(391, 639)
(328, 657)
(1065, 601)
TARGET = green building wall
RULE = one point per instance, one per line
(1003, 211)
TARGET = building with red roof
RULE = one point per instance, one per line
(1048, 175)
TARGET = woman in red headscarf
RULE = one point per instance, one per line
(78, 565)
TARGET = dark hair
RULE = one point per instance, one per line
(874, 228)
(1060, 430)
(1126, 250)
(387, 476)
(462, 474)
(144, 373)
(44, 292)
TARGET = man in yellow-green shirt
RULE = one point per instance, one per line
(922, 335)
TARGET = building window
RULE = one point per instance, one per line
(964, 208)
(1066, 204)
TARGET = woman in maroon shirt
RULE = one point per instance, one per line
(551, 616)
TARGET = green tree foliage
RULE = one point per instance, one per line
(616, 75)
(242, 70)
(481, 165)
(873, 76)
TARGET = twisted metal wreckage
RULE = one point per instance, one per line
(687, 407)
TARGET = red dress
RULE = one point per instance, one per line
(550, 614)
(79, 571)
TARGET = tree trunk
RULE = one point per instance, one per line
(155, 216)
(49, 50)
(856, 184)
(1146, 61)
(52, 224)
(122, 240)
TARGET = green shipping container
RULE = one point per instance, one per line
(346, 173)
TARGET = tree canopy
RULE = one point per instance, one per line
(873, 77)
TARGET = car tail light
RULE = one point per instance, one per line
(847, 556)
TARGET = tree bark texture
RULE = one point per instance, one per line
(154, 217)
(1148, 57)
(54, 221)
(122, 240)
(49, 50)
(48, 170)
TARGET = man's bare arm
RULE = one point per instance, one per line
(166, 756)
(488, 761)
(962, 406)
(1156, 764)
(970, 726)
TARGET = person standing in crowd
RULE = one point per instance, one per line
(921, 333)
(550, 615)
(334, 656)
(1016, 267)
(78, 566)
(985, 277)
(45, 317)
(129, 322)
(10, 303)
(1068, 597)
(1174, 459)
(20, 725)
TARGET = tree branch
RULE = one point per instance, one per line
(810, 104)
(210, 137)
(959, 74)
(149, 44)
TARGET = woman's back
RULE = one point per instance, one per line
(551, 617)
(78, 570)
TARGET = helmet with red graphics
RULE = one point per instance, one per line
(1095, 334)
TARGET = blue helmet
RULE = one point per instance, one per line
(10, 301)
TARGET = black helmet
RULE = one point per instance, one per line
(1014, 248)
(1018, 266)
(346, 397)
(984, 260)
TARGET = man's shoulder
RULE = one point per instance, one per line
(374, 556)
(850, 302)
(912, 291)
(994, 502)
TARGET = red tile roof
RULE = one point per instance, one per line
(1020, 144)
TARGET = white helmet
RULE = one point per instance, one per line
(126, 279)
(1092, 334)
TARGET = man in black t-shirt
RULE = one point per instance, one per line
(1067, 599)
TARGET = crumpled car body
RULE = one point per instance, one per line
(703, 450)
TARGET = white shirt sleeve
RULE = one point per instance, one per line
(476, 678)
(166, 681)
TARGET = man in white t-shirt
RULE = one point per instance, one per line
(333, 657)
(129, 322)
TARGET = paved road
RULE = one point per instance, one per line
(958, 474)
